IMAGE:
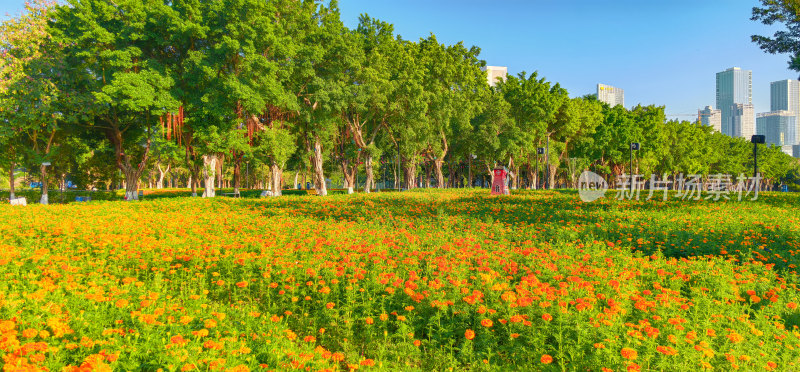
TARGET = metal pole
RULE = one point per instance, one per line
(547, 163)
(755, 160)
(630, 149)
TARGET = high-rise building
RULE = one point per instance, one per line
(735, 87)
(796, 151)
(611, 95)
(742, 121)
(495, 73)
(779, 128)
(784, 95)
(710, 117)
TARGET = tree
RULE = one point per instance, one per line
(535, 105)
(113, 50)
(406, 122)
(29, 98)
(786, 12)
(316, 65)
(365, 93)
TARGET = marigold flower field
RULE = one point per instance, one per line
(428, 280)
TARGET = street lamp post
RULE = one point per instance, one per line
(634, 146)
(539, 151)
(756, 139)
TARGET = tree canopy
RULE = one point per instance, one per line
(208, 93)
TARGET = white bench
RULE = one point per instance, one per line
(19, 201)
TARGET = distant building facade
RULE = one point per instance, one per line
(710, 117)
(784, 95)
(779, 128)
(611, 95)
(734, 95)
(796, 151)
(742, 121)
(495, 73)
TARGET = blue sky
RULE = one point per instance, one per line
(663, 52)
(660, 52)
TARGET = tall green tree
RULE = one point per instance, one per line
(113, 50)
(30, 114)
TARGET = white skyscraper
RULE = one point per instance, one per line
(784, 95)
(734, 93)
(710, 117)
(495, 73)
(743, 121)
(611, 95)
(779, 128)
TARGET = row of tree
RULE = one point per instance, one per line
(102, 89)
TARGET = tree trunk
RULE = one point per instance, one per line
(316, 163)
(220, 160)
(409, 173)
(369, 183)
(209, 174)
(533, 177)
(451, 175)
(11, 186)
(161, 174)
(349, 174)
(296, 174)
(277, 176)
(552, 176)
(437, 164)
(427, 176)
(131, 183)
(237, 172)
(43, 170)
(194, 171)
(469, 171)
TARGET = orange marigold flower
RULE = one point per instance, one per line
(547, 317)
(417, 343)
(241, 284)
(369, 320)
(546, 359)
(30, 333)
(368, 362)
(330, 305)
(514, 335)
(735, 338)
(771, 366)
(791, 305)
(666, 350)
(486, 323)
(628, 353)
(469, 334)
